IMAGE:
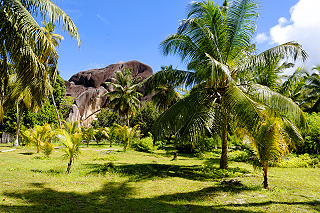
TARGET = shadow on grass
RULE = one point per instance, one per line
(119, 197)
(26, 153)
(113, 197)
(139, 172)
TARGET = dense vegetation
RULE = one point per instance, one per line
(232, 102)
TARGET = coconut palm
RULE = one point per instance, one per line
(112, 134)
(313, 84)
(100, 134)
(71, 143)
(49, 28)
(24, 45)
(165, 91)
(124, 97)
(215, 44)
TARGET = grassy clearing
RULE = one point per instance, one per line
(115, 181)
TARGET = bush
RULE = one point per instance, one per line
(311, 144)
(143, 145)
(239, 155)
(300, 161)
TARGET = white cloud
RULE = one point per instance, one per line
(95, 65)
(103, 19)
(303, 27)
(260, 38)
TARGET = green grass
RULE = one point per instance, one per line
(115, 181)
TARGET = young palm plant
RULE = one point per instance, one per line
(88, 135)
(126, 134)
(71, 143)
(271, 142)
(215, 44)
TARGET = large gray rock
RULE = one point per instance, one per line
(89, 89)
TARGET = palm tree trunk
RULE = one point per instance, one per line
(69, 166)
(224, 154)
(265, 175)
(55, 107)
(19, 114)
(110, 143)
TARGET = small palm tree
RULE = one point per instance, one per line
(273, 140)
(72, 127)
(126, 134)
(71, 143)
(111, 134)
(100, 134)
(39, 135)
(88, 135)
(124, 97)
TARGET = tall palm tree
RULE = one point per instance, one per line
(124, 97)
(215, 44)
(49, 28)
(313, 84)
(165, 93)
(24, 45)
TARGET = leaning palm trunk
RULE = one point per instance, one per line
(55, 107)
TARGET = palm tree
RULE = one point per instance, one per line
(270, 144)
(88, 135)
(215, 44)
(24, 45)
(49, 28)
(72, 143)
(313, 84)
(72, 127)
(126, 133)
(100, 134)
(124, 97)
(165, 94)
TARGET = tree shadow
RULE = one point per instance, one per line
(26, 153)
(119, 197)
(112, 197)
(140, 172)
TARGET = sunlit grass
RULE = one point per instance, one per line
(104, 180)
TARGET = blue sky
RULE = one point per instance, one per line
(124, 30)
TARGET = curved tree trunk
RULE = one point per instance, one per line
(224, 138)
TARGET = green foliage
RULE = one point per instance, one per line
(239, 155)
(46, 115)
(222, 173)
(301, 161)
(88, 134)
(143, 145)
(106, 118)
(47, 149)
(100, 134)
(9, 122)
(311, 144)
(145, 117)
(59, 92)
(126, 134)
(65, 105)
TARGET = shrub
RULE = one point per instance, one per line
(239, 155)
(143, 145)
(300, 161)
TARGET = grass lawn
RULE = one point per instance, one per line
(115, 181)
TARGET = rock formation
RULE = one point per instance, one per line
(89, 89)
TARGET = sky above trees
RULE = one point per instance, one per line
(124, 30)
